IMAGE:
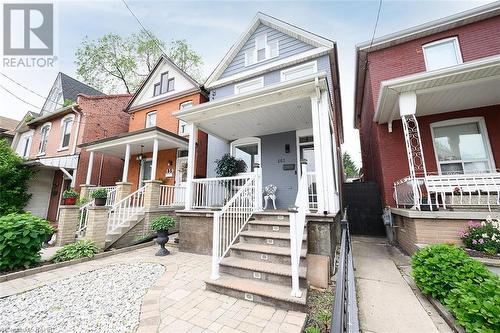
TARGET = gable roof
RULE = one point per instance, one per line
(22, 125)
(261, 18)
(7, 124)
(163, 58)
(72, 87)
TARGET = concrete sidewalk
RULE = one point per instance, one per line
(385, 300)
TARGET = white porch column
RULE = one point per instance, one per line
(125, 165)
(318, 156)
(193, 134)
(89, 168)
(414, 151)
(155, 159)
(328, 166)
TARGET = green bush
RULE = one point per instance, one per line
(76, 250)
(162, 223)
(70, 194)
(465, 285)
(21, 239)
(100, 193)
(229, 166)
(482, 236)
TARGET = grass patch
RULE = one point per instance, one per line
(319, 309)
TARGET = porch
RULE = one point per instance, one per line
(448, 119)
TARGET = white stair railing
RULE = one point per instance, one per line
(172, 195)
(126, 209)
(83, 216)
(232, 218)
(297, 223)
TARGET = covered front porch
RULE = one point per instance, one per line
(449, 121)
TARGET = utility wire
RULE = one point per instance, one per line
(19, 98)
(376, 24)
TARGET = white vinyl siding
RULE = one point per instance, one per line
(249, 85)
(442, 53)
(262, 50)
(299, 71)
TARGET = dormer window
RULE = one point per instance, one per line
(263, 50)
(165, 85)
(442, 53)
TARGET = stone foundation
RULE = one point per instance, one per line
(322, 235)
(195, 232)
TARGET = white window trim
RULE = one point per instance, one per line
(299, 134)
(460, 121)
(142, 169)
(312, 64)
(267, 51)
(245, 142)
(49, 124)
(147, 117)
(259, 81)
(458, 51)
(186, 102)
(26, 145)
(65, 118)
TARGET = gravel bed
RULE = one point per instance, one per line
(104, 300)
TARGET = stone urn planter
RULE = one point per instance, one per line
(161, 226)
(162, 239)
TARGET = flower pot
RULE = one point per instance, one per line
(162, 239)
(69, 201)
(100, 201)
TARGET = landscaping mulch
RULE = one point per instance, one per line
(480, 254)
(319, 309)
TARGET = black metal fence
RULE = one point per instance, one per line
(345, 309)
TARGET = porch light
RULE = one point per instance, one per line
(140, 157)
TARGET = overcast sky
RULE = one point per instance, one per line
(211, 27)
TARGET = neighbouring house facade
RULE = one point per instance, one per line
(427, 105)
(49, 141)
(7, 128)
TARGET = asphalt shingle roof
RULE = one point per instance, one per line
(72, 87)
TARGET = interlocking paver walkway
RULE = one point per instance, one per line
(178, 301)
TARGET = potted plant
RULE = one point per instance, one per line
(70, 196)
(229, 166)
(100, 196)
(161, 226)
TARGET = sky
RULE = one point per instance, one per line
(211, 27)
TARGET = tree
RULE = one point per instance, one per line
(14, 178)
(349, 167)
(114, 64)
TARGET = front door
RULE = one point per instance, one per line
(307, 153)
(145, 171)
(181, 171)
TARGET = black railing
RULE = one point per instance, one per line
(345, 308)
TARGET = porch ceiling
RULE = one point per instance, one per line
(466, 86)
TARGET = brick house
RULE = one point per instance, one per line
(427, 106)
(73, 113)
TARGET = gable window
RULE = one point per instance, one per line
(166, 84)
(66, 125)
(299, 71)
(151, 119)
(442, 53)
(171, 84)
(44, 135)
(156, 89)
(183, 127)
(263, 49)
(462, 146)
(249, 85)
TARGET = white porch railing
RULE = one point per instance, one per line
(125, 209)
(232, 218)
(479, 190)
(215, 192)
(172, 195)
(297, 224)
(83, 214)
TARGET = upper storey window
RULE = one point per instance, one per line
(262, 50)
(44, 136)
(151, 119)
(442, 53)
(165, 85)
(66, 125)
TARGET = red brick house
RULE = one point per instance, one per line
(427, 105)
(50, 142)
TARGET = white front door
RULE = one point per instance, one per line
(181, 171)
(146, 166)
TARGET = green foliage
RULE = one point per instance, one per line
(28, 118)
(113, 63)
(81, 201)
(67, 102)
(21, 239)
(350, 167)
(465, 285)
(312, 329)
(101, 193)
(80, 249)
(70, 194)
(229, 166)
(14, 179)
(482, 236)
(162, 223)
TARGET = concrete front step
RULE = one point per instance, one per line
(113, 236)
(269, 225)
(263, 271)
(258, 291)
(266, 253)
(281, 239)
(272, 215)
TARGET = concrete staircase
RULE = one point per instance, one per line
(115, 235)
(258, 266)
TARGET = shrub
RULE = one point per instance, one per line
(229, 166)
(100, 193)
(482, 236)
(21, 239)
(437, 269)
(163, 223)
(70, 194)
(80, 249)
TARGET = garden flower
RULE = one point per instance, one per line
(485, 235)
(481, 241)
(474, 242)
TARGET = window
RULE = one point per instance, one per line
(66, 125)
(183, 127)
(164, 82)
(247, 149)
(44, 135)
(185, 105)
(442, 53)
(165, 85)
(263, 50)
(249, 85)
(26, 144)
(462, 146)
(299, 71)
(151, 119)
(156, 89)
(171, 84)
